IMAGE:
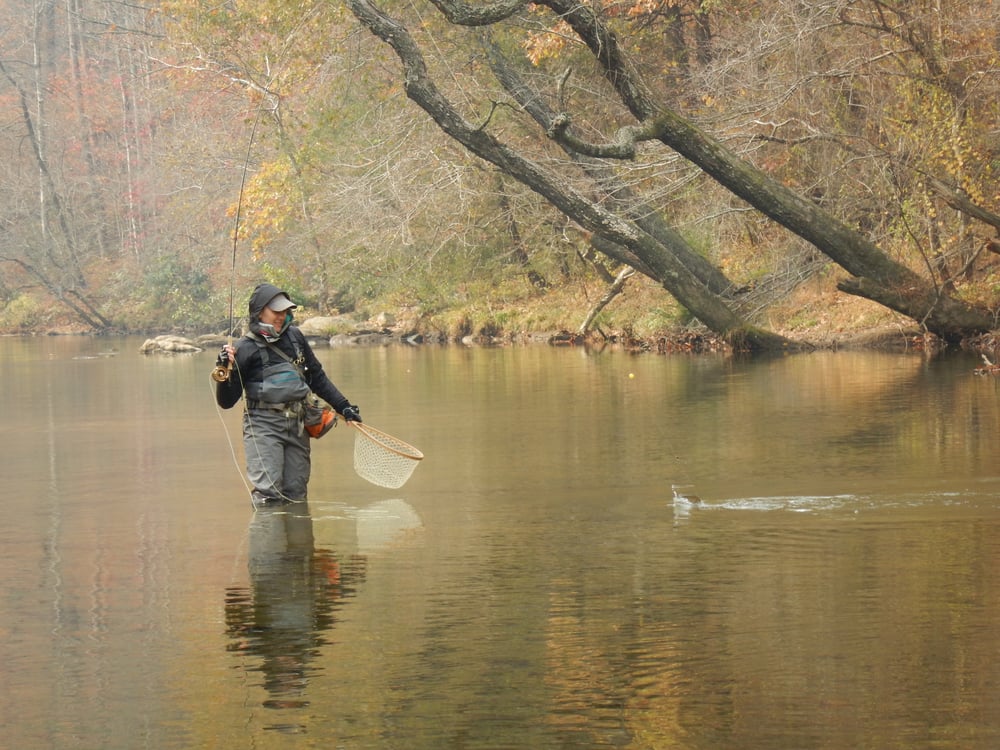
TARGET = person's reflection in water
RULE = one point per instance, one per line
(295, 591)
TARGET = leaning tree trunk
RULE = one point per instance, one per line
(613, 190)
(876, 276)
(655, 260)
(616, 288)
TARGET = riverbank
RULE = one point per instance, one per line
(643, 319)
(681, 341)
(692, 338)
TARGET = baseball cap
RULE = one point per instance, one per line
(280, 303)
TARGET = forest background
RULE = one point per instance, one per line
(770, 171)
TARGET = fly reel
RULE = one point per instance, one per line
(223, 366)
(221, 372)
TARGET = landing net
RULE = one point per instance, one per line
(382, 459)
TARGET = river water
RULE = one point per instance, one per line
(535, 584)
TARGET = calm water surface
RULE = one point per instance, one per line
(535, 584)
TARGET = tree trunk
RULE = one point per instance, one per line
(661, 265)
(612, 190)
(58, 266)
(877, 274)
(616, 287)
(657, 250)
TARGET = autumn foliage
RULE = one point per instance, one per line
(133, 142)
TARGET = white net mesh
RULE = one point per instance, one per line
(382, 459)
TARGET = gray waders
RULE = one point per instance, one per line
(277, 451)
(276, 443)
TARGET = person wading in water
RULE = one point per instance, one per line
(277, 370)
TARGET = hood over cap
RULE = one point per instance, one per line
(263, 295)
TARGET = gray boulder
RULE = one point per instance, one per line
(169, 345)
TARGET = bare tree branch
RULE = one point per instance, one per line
(674, 276)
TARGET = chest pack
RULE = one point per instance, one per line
(282, 379)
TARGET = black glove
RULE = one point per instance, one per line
(351, 413)
(223, 360)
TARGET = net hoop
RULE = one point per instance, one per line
(382, 459)
(387, 441)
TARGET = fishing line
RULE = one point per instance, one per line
(235, 456)
(681, 482)
(222, 373)
(263, 465)
(681, 491)
(229, 440)
(239, 213)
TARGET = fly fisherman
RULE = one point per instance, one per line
(277, 369)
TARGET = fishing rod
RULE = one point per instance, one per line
(223, 369)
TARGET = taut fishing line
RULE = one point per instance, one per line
(239, 212)
(382, 459)
(222, 373)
